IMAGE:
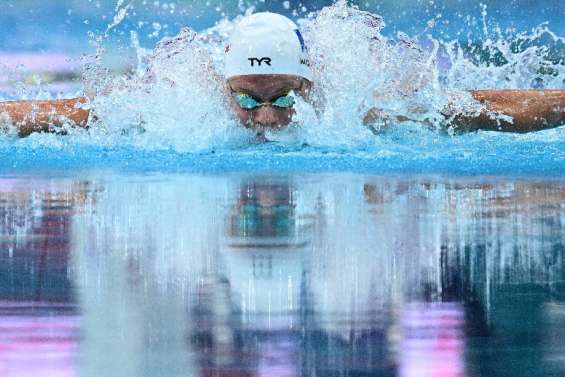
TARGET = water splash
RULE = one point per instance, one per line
(176, 101)
(173, 98)
(413, 79)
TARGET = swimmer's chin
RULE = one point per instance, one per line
(266, 134)
(287, 135)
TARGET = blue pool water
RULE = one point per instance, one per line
(485, 153)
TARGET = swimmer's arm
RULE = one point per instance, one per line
(527, 110)
(43, 116)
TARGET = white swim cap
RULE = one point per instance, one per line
(266, 44)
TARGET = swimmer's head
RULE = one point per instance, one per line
(266, 44)
(266, 65)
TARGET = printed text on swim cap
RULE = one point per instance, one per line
(260, 61)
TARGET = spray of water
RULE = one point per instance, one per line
(176, 102)
(175, 97)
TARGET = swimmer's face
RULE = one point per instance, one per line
(266, 88)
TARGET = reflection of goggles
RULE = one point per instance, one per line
(248, 102)
(252, 223)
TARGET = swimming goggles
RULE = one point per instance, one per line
(248, 102)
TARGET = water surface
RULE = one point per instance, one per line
(238, 274)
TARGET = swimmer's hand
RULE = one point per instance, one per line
(43, 116)
(378, 121)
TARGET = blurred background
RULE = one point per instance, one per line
(63, 25)
(42, 40)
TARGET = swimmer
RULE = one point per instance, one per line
(266, 68)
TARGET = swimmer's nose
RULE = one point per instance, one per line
(268, 117)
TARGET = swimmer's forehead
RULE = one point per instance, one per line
(265, 86)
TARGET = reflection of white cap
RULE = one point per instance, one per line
(266, 44)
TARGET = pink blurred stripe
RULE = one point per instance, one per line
(34, 304)
(49, 61)
(38, 345)
(433, 343)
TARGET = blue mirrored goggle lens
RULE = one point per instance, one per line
(284, 102)
(245, 101)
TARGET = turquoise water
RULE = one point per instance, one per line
(484, 153)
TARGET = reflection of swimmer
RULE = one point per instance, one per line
(266, 68)
(265, 250)
(264, 211)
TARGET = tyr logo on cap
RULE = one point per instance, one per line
(260, 61)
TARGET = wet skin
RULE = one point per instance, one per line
(266, 88)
